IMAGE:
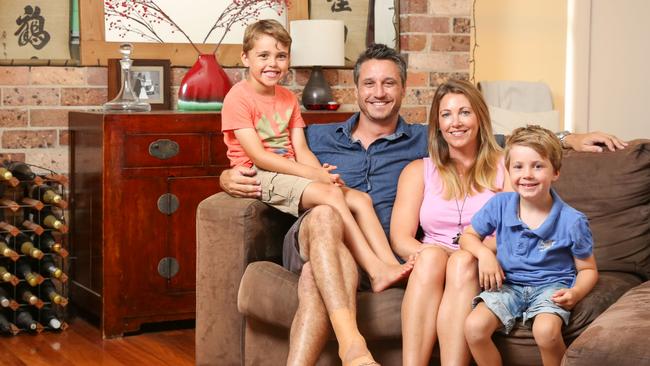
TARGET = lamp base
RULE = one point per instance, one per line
(317, 94)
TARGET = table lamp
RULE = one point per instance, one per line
(317, 43)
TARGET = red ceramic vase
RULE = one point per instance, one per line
(204, 86)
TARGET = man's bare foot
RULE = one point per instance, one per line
(390, 275)
(357, 354)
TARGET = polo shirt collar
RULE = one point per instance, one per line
(401, 129)
(546, 229)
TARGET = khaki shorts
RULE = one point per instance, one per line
(282, 191)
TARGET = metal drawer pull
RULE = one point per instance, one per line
(163, 149)
(168, 203)
(168, 267)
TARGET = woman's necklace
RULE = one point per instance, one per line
(460, 219)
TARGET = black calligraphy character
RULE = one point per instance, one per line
(340, 5)
(31, 28)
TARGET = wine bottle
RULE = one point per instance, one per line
(6, 176)
(36, 228)
(25, 271)
(50, 269)
(6, 276)
(48, 244)
(50, 290)
(49, 318)
(24, 320)
(5, 250)
(5, 300)
(47, 194)
(20, 170)
(6, 326)
(27, 295)
(27, 247)
(50, 218)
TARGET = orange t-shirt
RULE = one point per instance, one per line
(271, 116)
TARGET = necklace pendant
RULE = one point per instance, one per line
(456, 238)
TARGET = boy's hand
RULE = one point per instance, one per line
(335, 178)
(490, 274)
(240, 181)
(565, 297)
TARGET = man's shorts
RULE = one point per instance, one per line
(292, 260)
(282, 191)
(517, 301)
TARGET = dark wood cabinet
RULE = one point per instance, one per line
(136, 180)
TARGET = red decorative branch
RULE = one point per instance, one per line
(147, 14)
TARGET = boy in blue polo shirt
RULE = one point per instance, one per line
(543, 264)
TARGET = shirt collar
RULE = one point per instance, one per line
(401, 129)
(549, 223)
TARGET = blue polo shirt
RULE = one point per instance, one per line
(535, 257)
(375, 170)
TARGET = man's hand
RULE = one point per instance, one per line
(240, 182)
(590, 142)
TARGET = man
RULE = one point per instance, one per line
(370, 150)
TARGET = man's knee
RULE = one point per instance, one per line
(323, 217)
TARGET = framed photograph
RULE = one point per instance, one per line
(150, 81)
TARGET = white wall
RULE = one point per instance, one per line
(523, 40)
(619, 70)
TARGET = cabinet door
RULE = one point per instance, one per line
(190, 191)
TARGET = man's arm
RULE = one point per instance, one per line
(240, 182)
(592, 141)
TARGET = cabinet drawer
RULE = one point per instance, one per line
(160, 150)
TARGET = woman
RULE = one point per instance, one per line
(441, 194)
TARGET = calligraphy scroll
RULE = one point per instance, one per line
(34, 30)
(354, 14)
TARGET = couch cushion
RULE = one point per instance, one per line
(613, 190)
(619, 336)
(519, 348)
(264, 283)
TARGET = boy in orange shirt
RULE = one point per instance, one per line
(263, 129)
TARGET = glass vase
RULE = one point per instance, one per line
(204, 86)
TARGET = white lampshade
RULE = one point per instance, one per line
(317, 42)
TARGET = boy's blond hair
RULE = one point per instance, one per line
(269, 27)
(543, 141)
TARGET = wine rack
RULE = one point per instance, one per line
(33, 255)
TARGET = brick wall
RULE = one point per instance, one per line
(34, 101)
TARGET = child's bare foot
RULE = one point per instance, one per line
(390, 275)
(357, 354)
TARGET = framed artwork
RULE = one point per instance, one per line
(150, 81)
(366, 21)
(96, 50)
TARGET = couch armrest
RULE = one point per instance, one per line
(230, 233)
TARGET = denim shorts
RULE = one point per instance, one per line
(517, 301)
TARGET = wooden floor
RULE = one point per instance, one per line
(82, 344)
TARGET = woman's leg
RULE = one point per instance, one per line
(547, 330)
(461, 285)
(360, 205)
(382, 275)
(479, 327)
(420, 306)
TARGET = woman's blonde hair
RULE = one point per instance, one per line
(482, 174)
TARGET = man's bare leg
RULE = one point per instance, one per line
(461, 285)
(311, 325)
(420, 306)
(335, 275)
(382, 275)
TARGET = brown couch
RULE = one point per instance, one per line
(246, 300)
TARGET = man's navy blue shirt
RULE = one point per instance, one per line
(375, 170)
